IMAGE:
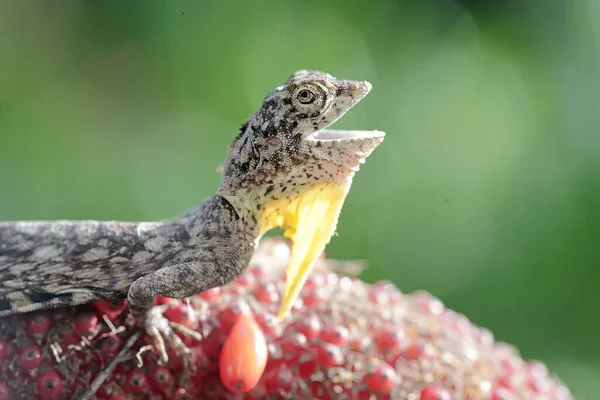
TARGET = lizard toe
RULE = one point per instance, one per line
(162, 331)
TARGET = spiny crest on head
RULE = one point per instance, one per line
(311, 72)
(243, 128)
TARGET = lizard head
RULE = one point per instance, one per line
(287, 139)
(293, 172)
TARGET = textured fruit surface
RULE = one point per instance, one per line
(343, 339)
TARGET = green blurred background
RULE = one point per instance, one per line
(486, 191)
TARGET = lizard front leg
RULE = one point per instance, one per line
(178, 281)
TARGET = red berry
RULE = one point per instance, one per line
(511, 364)
(435, 393)
(135, 382)
(3, 391)
(267, 293)
(213, 343)
(68, 335)
(538, 386)
(85, 322)
(30, 357)
(502, 393)
(361, 345)
(537, 370)
(306, 367)
(49, 384)
(175, 362)
(329, 355)
(388, 338)
(259, 272)
(315, 280)
(509, 381)
(3, 349)
(457, 321)
(428, 303)
(123, 369)
(381, 379)
(414, 351)
(230, 316)
(281, 380)
(110, 308)
(38, 324)
(212, 388)
(309, 327)
(313, 297)
(111, 391)
(336, 334)
(161, 378)
(165, 300)
(269, 324)
(331, 279)
(180, 394)
(110, 345)
(561, 392)
(293, 343)
(211, 294)
(245, 281)
(379, 292)
(275, 359)
(345, 283)
(183, 314)
(244, 355)
(319, 390)
(258, 393)
(537, 374)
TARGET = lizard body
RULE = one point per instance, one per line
(282, 162)
(44, 264)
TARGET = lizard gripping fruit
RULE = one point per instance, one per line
(284, 169)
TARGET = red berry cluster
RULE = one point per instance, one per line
(343, 339)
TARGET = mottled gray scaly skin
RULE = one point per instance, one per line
(279, 152)
(47, 264)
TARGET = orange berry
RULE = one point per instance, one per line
(244, 355)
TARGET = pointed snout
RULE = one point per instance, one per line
(359, 88)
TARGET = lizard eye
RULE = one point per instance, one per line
(306, 96)
(309, 100)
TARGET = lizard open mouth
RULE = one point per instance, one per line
(310, 219)
(346, 148)
(333, 135)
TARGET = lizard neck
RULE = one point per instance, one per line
(277, 204)
(267, 185)
(247, 207)
(219, 212)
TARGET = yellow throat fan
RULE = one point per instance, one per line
(309, 221)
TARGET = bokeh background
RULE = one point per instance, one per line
(486, 191)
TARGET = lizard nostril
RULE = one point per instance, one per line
(357, 88)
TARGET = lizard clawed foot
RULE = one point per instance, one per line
(162, 331)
